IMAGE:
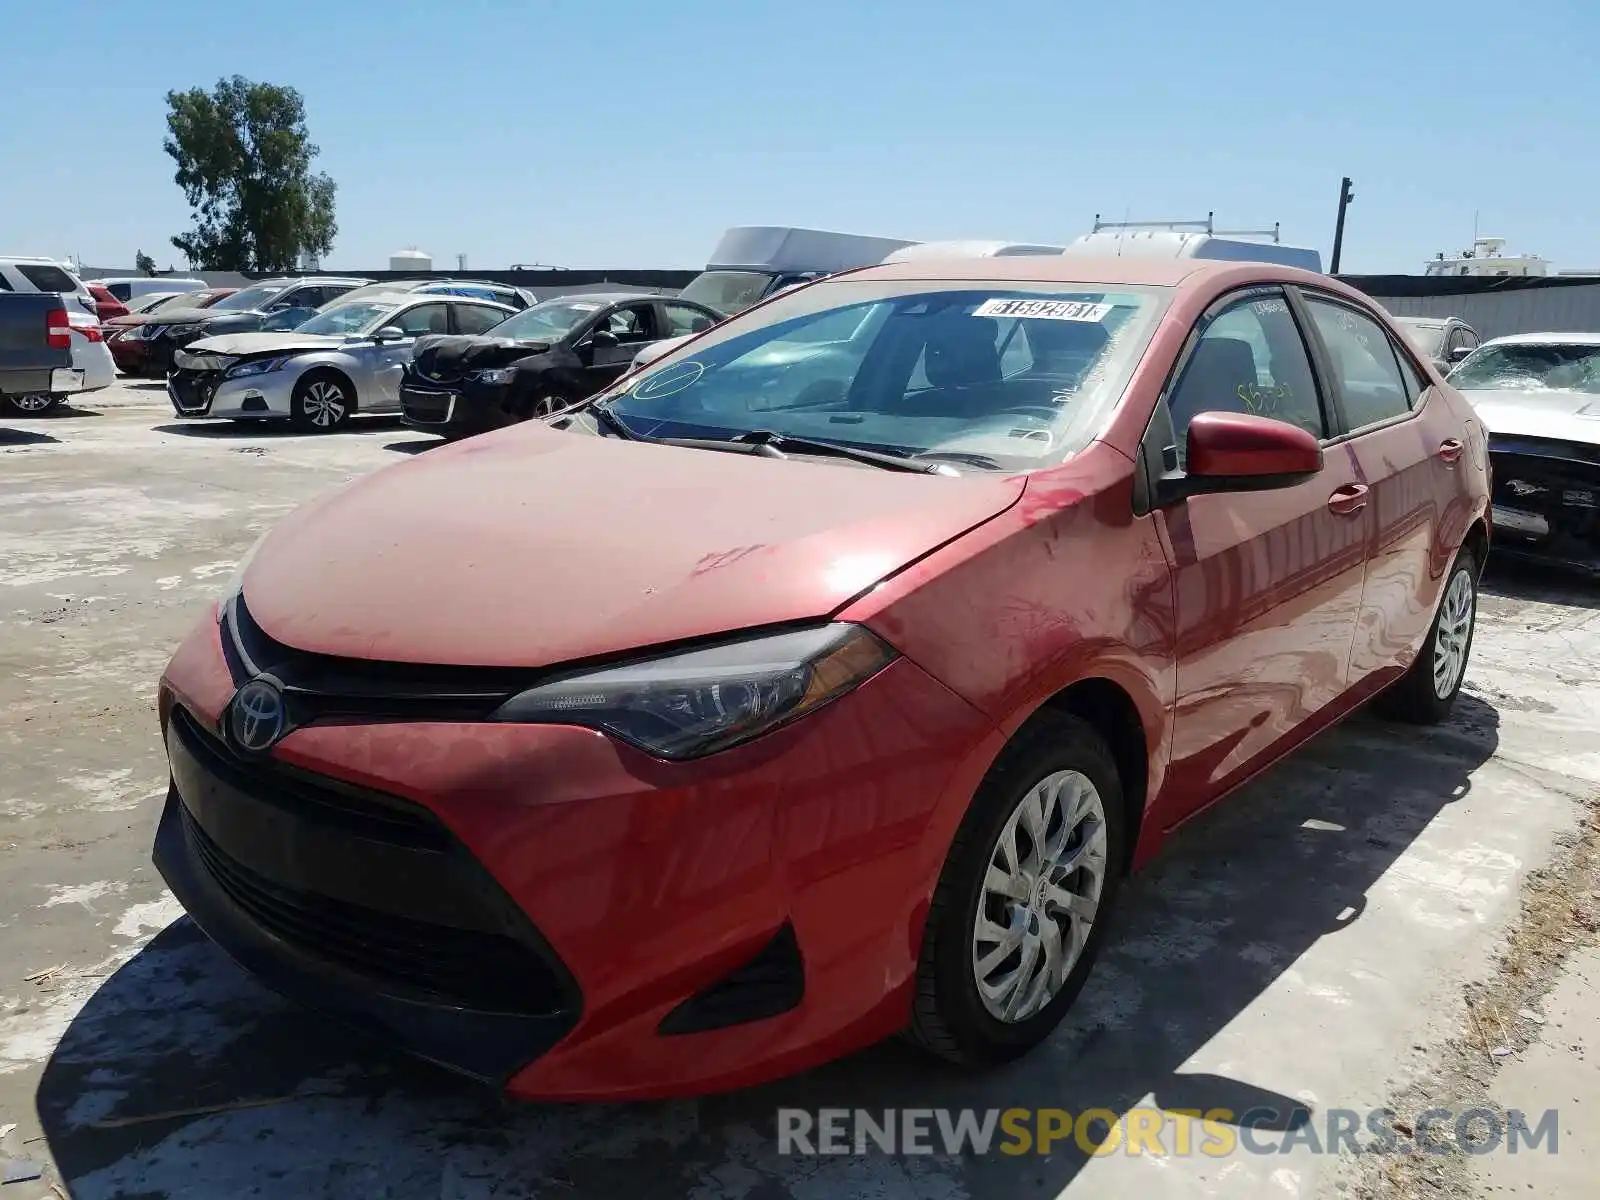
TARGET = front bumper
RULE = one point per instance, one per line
(645, 884)
(1547, 508)
(453, 409)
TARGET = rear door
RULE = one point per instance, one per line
(1267, 584)
(1407, 458)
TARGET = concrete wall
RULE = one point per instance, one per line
(1533, 306)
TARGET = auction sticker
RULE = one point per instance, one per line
(1044, 310)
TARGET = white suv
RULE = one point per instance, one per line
(23, 274)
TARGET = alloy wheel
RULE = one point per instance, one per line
(34, 402)
(325, 403)
(1040, 896)
(1453, 633)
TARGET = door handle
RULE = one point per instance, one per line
(1351, 498)
(1450, 449)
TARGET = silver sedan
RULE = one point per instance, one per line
(346, 359)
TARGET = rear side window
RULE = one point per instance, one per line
(47, 278)
(1364, 363)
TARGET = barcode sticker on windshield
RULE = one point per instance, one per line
(1044, 310)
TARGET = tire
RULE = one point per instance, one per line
(322, 402)
(975, 1025)
(31, 404)
(1441, 664)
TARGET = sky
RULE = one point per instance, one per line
(630, 133)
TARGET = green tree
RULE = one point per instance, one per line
(143, 262)
(244, 164)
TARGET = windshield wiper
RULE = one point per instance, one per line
(604, 416)
(777, 444)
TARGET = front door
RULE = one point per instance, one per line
(389, 359)
(631, 326)
(1267, 584)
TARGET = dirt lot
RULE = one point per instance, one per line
(1307, 945)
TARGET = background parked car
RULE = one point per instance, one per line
(544, 358)
(89, 356)
(479, 289)
(1445, 340)
(243, 312)
(131, 287)
(35, 346)
(106, 305)
(24, 274)
(1539, 394)
(134, 354)
(346, 359)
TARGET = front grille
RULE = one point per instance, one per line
(1548, 503)
(193, 391)
(357, 811)
(393, 864)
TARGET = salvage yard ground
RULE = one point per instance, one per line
(1305, 945)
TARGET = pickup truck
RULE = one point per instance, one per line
(35, 349)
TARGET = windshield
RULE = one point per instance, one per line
(156, 302)
(366, 290)
(547, 322)
(728, 291)
(1009, 376)
(1567, 368)
(250, 297)
(348, 318)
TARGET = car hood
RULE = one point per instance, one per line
(448, 357)
(178, 316)
(1563, 416)
(531, 546)
(240, 344)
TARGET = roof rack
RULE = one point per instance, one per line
(1209, 225)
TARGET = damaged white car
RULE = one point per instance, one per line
(1539, 396)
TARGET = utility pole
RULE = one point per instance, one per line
(1345, 196)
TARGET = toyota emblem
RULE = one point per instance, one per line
(256, 717)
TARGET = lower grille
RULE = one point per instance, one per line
(193, 391)
(481, 971)
(425, 407)
(368, 883)
(1547, 505)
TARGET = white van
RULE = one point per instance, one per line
(1171, 243)
(126, 288)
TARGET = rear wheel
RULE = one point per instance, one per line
(32, 404)
(1021, 906)
(1427, 692)
(322, 402)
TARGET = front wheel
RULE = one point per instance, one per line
(321, 402)
(32, 404)
(1427, 692)
(1021, 905)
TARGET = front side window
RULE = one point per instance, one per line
(1530, 367)
(909, 367)
(1364, 363)
(1249, 358)
(423, 319)
(633, 324)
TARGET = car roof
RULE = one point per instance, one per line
(609, 297)
(1068, 268)
(1546, 339)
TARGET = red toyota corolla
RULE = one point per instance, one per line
(824, 679)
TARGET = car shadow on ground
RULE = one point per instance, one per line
(1523, 579)
(306, 1110)
(224, 430)
(429, 442)
(25, 437)
(61, 412)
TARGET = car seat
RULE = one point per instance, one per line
(1211, 381)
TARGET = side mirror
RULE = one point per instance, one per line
(1458, 353)
(390, 333)
(602, 338)
(1238, 452)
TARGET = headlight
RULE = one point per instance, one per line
(688, 705)
(235, 583)
(257, 366)
(494, 376)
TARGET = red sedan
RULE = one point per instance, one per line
(123, 334)
(894, 622)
